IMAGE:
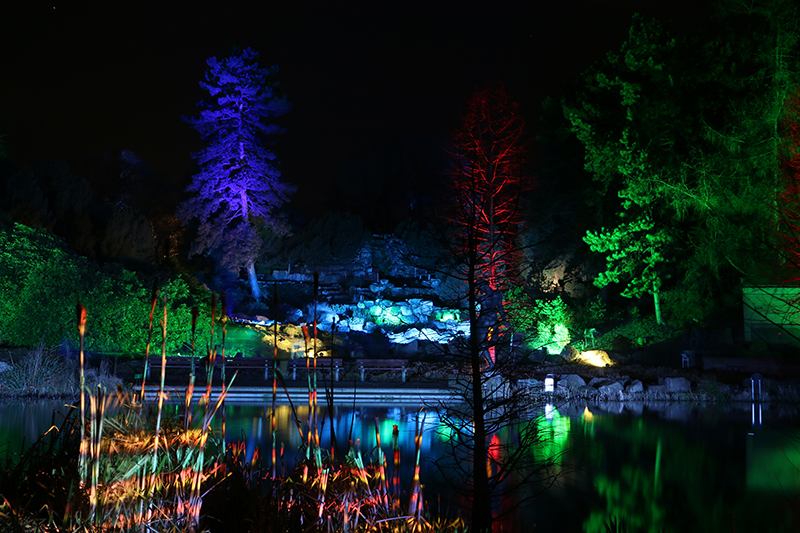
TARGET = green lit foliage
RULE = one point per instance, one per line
(41, 281)
(637, 118)
(658, 121)
(634, 255)
(544, 324)
(553, 319)
(753, 144)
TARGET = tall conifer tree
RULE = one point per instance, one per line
(238, 189)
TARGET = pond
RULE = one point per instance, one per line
(657, 466)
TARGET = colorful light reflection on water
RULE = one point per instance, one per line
(664, 466)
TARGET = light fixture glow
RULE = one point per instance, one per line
(595, 358)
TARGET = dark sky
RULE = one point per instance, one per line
(120, 75)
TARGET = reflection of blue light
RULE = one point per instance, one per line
(549, 411)
(753, 414)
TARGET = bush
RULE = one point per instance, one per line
(43, 372)
(41, 282)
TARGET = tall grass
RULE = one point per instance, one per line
(141, 468)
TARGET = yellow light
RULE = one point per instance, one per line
(588, 416)
(595, 358)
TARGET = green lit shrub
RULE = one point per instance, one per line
(545, 323)
(41, 281)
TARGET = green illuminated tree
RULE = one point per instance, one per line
(751, 148)
(636, 118)
(685, 136)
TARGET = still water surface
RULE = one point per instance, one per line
(657, 466)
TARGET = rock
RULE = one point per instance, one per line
(529, 383)
(634, 386)
(677, 384)
(657, 389)
(4, 366)
(571, 382)
(569, 353)
(587, 392)
(294, 316)
(610, 389)
(598, 382)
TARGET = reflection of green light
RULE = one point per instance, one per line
(553, 435)
(386, 429)
(771, 465)
(445, 433)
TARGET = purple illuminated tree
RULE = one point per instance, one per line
(238, 190)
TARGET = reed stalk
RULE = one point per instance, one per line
(396, 467)
(224, 320)
(84, 446)
(187, 420)
(415, 501)
(154, 464)
(273, 419)
(145, 368)
(382, 485)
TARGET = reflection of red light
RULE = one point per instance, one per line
(492, 454)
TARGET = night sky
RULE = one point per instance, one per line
(120, 76)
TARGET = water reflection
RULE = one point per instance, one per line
(654, 466)
(23, 422)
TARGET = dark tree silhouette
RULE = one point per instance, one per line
(238, 189)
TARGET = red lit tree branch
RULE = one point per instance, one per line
(487, 156)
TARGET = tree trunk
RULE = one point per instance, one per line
(481, 501)
(657, 303)
(251, 276)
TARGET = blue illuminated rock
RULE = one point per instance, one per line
(610, 389)
(571, 382)
(677, 384)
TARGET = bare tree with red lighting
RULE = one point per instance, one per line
(488, 154)
(486, 172)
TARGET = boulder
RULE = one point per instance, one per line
(571, 382)
(294, 316)
(657, 389)
(634, 386)
(677, 384)
(569, 353)
(610, 389)
(597, 382)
